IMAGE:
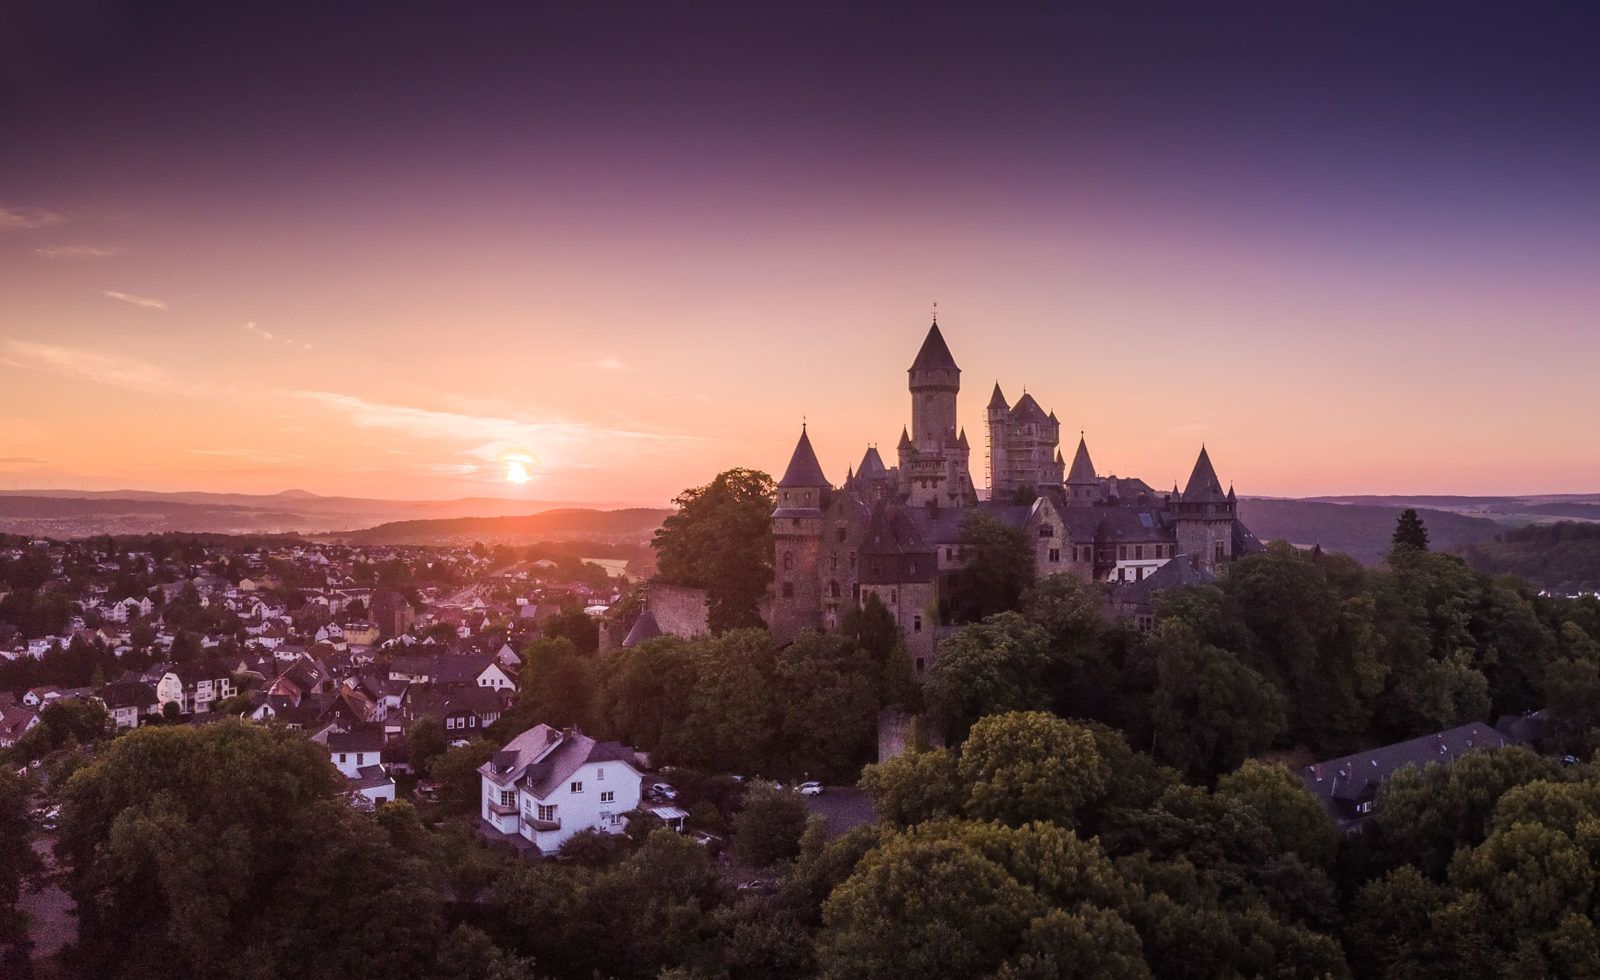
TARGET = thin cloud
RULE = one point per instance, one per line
(9, 461)
(613, 364)
(27, 219)
(252, 328)
(488, 437)
(144, 301)
(78, 251)
(106, 369)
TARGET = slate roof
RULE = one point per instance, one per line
(934, 354)
(1082, 466)
(573, 751)
(872, 467)
(644, 628)
(1178, 573)
(1344, 782)
(1028, 410)
(1203, 485)
(804, 470)
(128, 694)
(998, 400)
(355, 742)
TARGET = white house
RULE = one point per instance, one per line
(548, 784)
(359, 758)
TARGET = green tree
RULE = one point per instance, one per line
(767, 830)
(986, 668)
(64, 723)
(1410, 532)
(457, 774)
(914, 787)
(1297, 820)
(18, 864)
(1209, 711)
(426, 743)
(916, 908)
(997, 568)
(720, 540)
(1029, 765)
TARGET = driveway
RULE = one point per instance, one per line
(843, 807)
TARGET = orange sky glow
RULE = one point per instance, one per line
(617, 310)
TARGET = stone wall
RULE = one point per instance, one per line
(680, 610)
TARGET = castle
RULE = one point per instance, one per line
(896, 532)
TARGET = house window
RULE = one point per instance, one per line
(547, 812)
(576, 787)
(1046, 531)
(1122, 552)
(1138, 552)
(1055, 554)
(449, 723)
(508, 797)
(608, 797)
(600, 774)
(341, 757)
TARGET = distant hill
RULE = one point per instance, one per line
(631, 525)
(1363, 531)
(1564, 557)
(82, 513)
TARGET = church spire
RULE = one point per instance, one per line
(1082, 466)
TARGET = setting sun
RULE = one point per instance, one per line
(517, 469)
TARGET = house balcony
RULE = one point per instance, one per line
(542, 825)
(502, 810)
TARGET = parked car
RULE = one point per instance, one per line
(760, 886)
(663, 791)
(48, 821)
(706, 840)
(812, 788)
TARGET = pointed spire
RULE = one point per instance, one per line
(998, 400)
(644, 628)
(804, 470)
(961, 440)
(1082, 466)
(1203, 484)
(905, 438)
(1232, 497)
(935, 354)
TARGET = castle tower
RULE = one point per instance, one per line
(797, 544)
(935, 383)
(1083, 486)
(934, 469)
(996, 415)
(1205, 517)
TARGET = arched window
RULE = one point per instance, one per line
(788, 561)
(833, 590)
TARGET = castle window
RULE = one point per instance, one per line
(894, 597)
(833, 563)
(788, 590)
(1138, 552)
(1122, 552)
(833, 590)
(913, 568)
(841, 534)
(788, 561)
(1221, 551)
(877, 570)
(916, 624)
(921, 665)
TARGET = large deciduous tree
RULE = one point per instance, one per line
(720, 540)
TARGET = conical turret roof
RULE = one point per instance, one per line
(1082, 466)
(935, 354)
(905, 438)
(644, 628)
(1203, 485)
(872, 467)
(998, 400)
(804, 470)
